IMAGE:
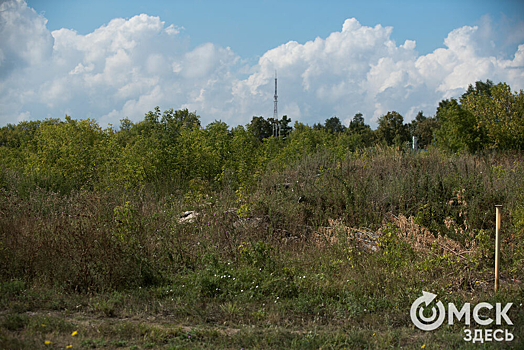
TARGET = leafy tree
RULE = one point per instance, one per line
(359, 134)
(391, 129)
(357, 124)
(173, 121)
(126, 124)
(304, 139)
(318, 126)
(243, 160)
(412, 126)
(18, 141)
(137, 163)
(166, 125)
(150, 148)
(488, 116)
(423, 128)
(499, 115)
(425, 131)
(457, 128)
(218, 138)
(362, 135)
(333, 125)
(285, 128)
(260, 128)
(126, 133)
(480, 88)
(74, 150)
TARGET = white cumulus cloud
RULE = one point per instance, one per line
(128, 66)
(361, 69)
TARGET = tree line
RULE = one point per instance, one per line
(172, 147)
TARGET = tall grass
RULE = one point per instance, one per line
(92, 241)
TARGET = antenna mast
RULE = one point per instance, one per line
(276, 125)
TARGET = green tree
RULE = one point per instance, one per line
(425, 131)
(488, 116)
(219, 138)
(361, 133)
(260, 128)
(499, 115)
(243, 160)
(412, 126)
(74, 150)
(173, 121)
(357, 124)
(480, 88)
(333, 125)
(391, 129)
(136, 163)
(285, 128)
(318, 126)
(457, 128)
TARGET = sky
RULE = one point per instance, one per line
(110, 60)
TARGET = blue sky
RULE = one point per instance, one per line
(104, 60)
(251, 28)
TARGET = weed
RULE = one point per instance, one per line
(320, 250)
(15, 322)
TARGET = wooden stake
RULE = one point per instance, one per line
(497, 246)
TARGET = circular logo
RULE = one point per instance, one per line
(427, 323)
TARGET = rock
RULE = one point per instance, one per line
(189, 216)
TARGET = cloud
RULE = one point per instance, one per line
(361, 69)
(24, 116)
(122, 69)
(25, 39)
(128, 66)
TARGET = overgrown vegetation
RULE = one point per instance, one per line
(168, 234)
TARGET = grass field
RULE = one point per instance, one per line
(325, 253)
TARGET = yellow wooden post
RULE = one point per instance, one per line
(497, 246)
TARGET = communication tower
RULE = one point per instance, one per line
(276, 124)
